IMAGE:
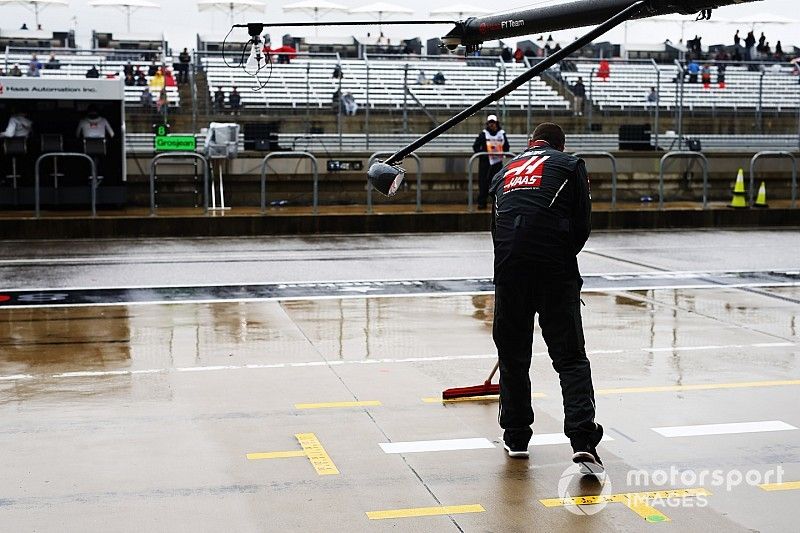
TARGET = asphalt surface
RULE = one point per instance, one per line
(320, 412)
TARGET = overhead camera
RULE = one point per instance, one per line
(451, 43)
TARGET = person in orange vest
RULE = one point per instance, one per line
(492, 140)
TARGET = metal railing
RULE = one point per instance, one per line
(613, 160)
(684, 155)
(289, 155)
(471, 165)
(36, 186)
(177, 155)
(416, 158)
(773, 153)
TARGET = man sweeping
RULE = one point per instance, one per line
(541, 222)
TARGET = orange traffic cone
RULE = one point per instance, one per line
(761, 199)
(739, 201)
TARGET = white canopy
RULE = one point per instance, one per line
(459, 10)
(37, 5)
(231, 6)
(127, 5)
(382, 8)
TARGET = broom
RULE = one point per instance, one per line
(487, 389)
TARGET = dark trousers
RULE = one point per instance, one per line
(557, 302)
(485, 180)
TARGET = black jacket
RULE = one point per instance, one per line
(542, 213)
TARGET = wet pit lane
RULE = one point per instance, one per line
(320, 411)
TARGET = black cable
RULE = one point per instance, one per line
(354, 23)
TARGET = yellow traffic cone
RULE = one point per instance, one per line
(761, 199)
(739, 201)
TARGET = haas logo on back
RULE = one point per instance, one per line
(525, 173)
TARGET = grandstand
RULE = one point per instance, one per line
(308, 80)
(75, 64)
(629, 83)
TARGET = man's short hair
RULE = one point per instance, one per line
(550, 132)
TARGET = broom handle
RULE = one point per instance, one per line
(494, 371)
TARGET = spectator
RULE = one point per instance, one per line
(19, 125)
(219, 100)
(779, 51)
(185, 60)
(529, 53)
(2, 72)
(152, 69)
(506, 55)
(693, 69)
(761, 41)
(604, 70)
(157, 81)
(737, 41)
(34, 67)
(141, 80)
(93, 73)
(163, 101)
(24, 26)
(579, 91)
(52, 63)
(519, 55)
(421, 79)
(128, 69)
(146, 99)
(350, 104)
(130, 81)
(721, 75)
(705, 75)
(15, 71)
(94, 126)
(235, 101)
(557, 48)
(492, 140)
(336, 101)
(652, 97)
(169, 79)
(438, 78)
(337, 73)
(38, 27)
(749, 43)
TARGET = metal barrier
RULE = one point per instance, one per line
(771, 153)
(416, 158)
(470, 166)
(610, 157)
(92, 164)
(686, 155)
(286, 155)
(177, 155)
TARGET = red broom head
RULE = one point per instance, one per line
(487, 389)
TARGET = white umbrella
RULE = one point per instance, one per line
(37, 5)
(316, 8)
(459, 10)
(231, 6)
(128, 6)
(763, 18)
(381, 9)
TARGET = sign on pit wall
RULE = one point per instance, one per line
(60, 89)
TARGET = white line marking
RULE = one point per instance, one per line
(436, 445)
(311, 364)
(16, 377)
(719, 347)
(723, 429)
